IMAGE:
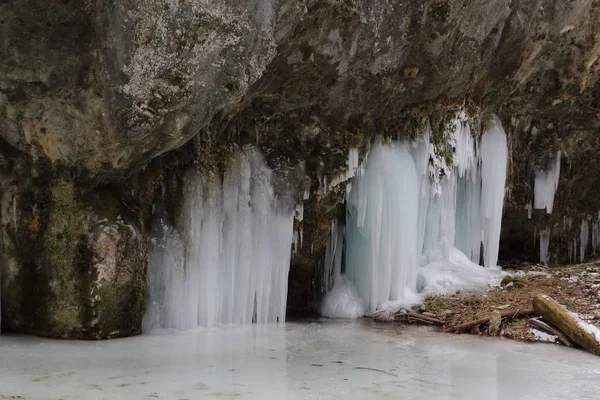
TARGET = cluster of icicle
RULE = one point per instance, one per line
(229, 262)
(588, 241)
(546, 183)
(415, 225)
(545, 186)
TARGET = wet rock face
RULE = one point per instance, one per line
(104, 88)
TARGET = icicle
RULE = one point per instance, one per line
(295, 247)
(461, 139)
(584, 235)
(570, 251)
(352, 164)
(237, 238)
(299, 211)
(332, 264)
(546, 183)
(544, 244)
(352, 168)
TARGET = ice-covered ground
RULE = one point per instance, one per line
(308, 360)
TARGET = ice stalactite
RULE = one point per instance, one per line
(409, 213)
(352, 166)
(570, 251)
(332, 264)
(587, 241)
(583, 237)
(544, 245)
(494, 157)
(546, 183)
(229, 262)
(596, 235)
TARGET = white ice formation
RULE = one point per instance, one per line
(229, 262)
(415, 225)
(546, 183)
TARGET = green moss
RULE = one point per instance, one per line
(412, 126)
(347, 140)
(66, 220)
(119, 310)
(440, 119)
(212, 156)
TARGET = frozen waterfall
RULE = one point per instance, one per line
(383, 206)
(229, 262)
(415, 225)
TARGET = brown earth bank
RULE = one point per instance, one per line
(577, 287)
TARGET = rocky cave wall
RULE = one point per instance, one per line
(104, 103)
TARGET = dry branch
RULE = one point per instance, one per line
(412, 317)
(504, 314)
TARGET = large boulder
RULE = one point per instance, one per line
(72, 267)
(105, 84)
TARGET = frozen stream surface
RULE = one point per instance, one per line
(298, 360)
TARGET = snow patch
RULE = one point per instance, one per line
(541, 336)
(457, 273)
(589, 328)
(343, 301)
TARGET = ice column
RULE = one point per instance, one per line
(383, 206)
(229, 262)
(494, 156)
(332, 264)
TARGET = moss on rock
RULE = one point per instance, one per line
(69, 273)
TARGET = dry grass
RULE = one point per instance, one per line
(576, 287)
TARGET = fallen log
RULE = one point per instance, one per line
(504, 314)
(585, 335)
(551, 330)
